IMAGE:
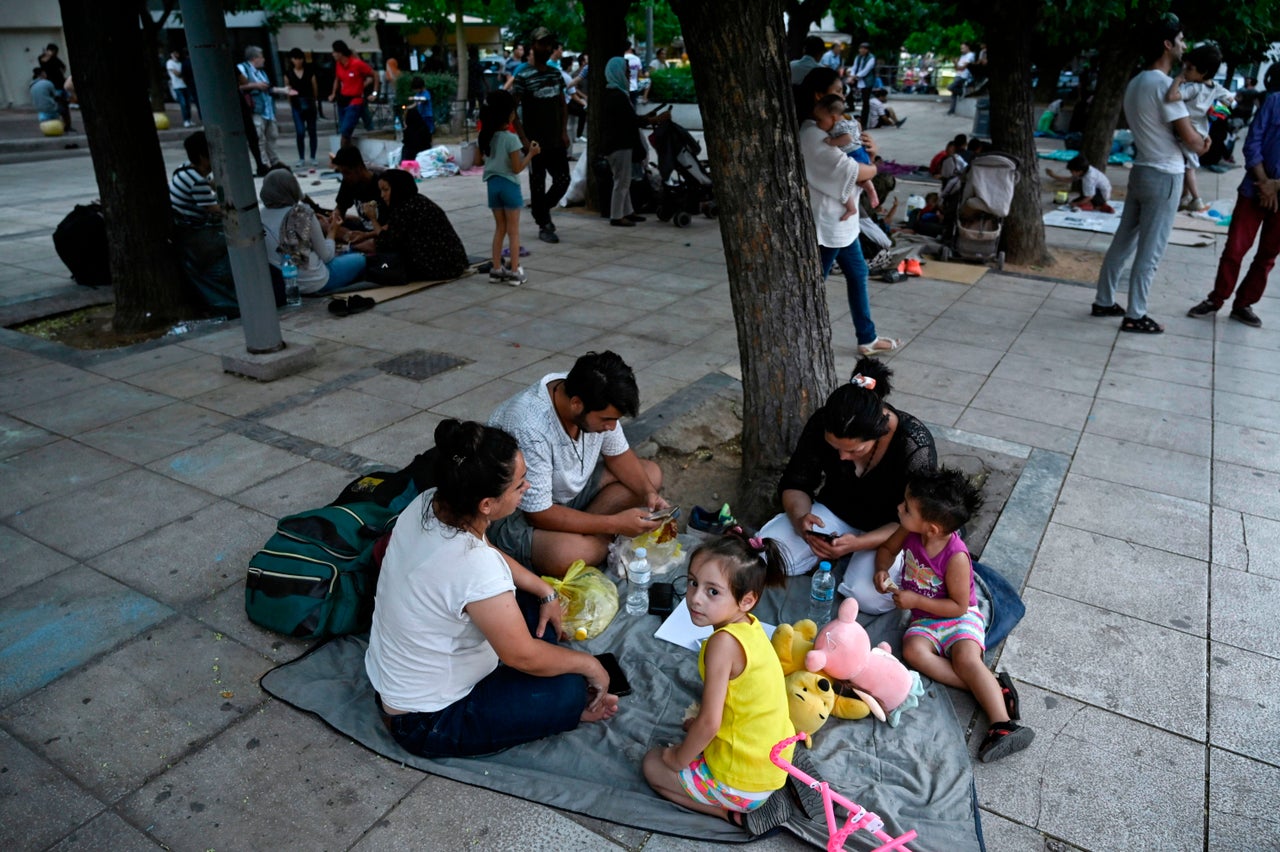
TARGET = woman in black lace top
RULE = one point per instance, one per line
(846, 478)
(418, 230)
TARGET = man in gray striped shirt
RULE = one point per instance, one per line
(190, 193)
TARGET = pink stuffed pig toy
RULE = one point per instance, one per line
(843, 651)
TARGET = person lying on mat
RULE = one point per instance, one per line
(294, 230)
(463, 655)
(843, 484)
(586, 484)
(418, 231)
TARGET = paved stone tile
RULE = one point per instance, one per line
(1151, 427)
(1034, 344)
(1247, 489)
(169, 689)
(955, 356)
(1087, 653)
(478, 403)
(1247, 447)
(655, 387)
(780, 842)
(650, 300)
(1244, 611)
(1251, 411)
(193, 557)
(440, 813)
(306, 486)
(27, 561)
(18, 437)
(1083, 331)
(1246, 542)
(1163, 588)
(38, 804)
(971, 315)
(1139, 795)
(50, 470)
(1008, 836)
(484, 315)
(114, 511)
(242, 790)
(1244, 800)
(340, 417)
(934, 381)
(142, 362)
(186, 379)
(16, 360)
(424, 394)
(528, 302)
(691, 364)
(1032, 402)
(156, 433)
(1244, 689)
(247, 395)
(1130, 463)
(51, 627)
(1247, 383)
(928, 409)
(224, 613)
(1010, 293)
(1228, 355)
(1163, 344)
(546, 334)
(1055, 438)
(635, 350)
(92, 408)
(226, 465)
(44, 383)
(1154, 393)
(105, 831)
(1134, 514)
(1180, 371)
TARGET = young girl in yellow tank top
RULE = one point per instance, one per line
(722, 767)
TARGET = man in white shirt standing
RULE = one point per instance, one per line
(586, 484)
(1155, 183)
(634, 67)
(863, 71)
(179, 86)
(963, 76)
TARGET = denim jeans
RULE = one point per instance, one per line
(184, 103)
(349, 117)
(344, 270)
(1145, 224)
(505, 709)
(304, 125)
(855, 278)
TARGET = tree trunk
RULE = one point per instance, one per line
(1050, 60)
(107, 44)
(606, 24)
(1013, 125)
(1116, 58)
(157, 76)
(801, 14)
(771, 248)
(459, 115)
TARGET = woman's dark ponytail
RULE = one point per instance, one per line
(856, 408)
(473, 461)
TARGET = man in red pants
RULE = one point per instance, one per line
(1256, 208)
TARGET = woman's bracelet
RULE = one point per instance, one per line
(551, 598)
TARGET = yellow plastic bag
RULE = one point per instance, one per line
(589, 598)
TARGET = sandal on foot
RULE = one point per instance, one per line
(1142, 325)
(809, 799)
(775, 811)
(1010, 695)
(878, 346)
(1109, 311)
(1003, 739)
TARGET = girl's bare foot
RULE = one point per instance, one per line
(607, 710)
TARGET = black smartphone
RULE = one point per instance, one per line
(663, 515)
(618, 683)
(662, 599)
(827, 537)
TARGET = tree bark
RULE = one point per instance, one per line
(107, 42)
(606, 24)
(460, 100)
(157, 76)
(1116, 59)
(1013, 125)
(771, 247)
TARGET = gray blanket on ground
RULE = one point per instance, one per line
(917, 775)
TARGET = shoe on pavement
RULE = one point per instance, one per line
(912, 267)
(901, 122)
(187, 124)
(506, 276)
(634, 218)
(1245, 314)
(902, 267)
(301, 164)
(621, 223)
(1204, 309)
(547, 234)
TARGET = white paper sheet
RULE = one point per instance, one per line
(679, 629)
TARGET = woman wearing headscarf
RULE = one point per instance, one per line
(418, 231)
(621, 136)
(293, 229)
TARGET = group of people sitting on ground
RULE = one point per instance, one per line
(464, 653)
(381, 230)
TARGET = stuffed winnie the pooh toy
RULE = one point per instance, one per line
(812, 699)
(791, 642)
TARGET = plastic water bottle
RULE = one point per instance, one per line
(289, 272)
(638, 577)
(821, 594)
(399, 127)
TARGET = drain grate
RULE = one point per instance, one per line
(420, 364)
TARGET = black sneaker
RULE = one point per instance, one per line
(547, 234)
(1204, 309)
(1245, 314)
(1097, 310)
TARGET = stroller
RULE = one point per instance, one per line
(686, 185)
(974, 206)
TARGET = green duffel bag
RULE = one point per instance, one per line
(315, 577)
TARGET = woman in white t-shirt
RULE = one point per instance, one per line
(463, 654)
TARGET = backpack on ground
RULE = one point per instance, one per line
(81, 243)
(314, 577)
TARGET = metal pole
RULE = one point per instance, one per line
(648, 36)
(215, 73)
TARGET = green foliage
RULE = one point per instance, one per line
(673, 85)
(562, 17)
(916, 26)
(666, 26)
(443, 88)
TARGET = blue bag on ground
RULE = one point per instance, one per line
(315, 577)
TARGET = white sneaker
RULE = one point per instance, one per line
(519, 277)
(315, 164)
(503, 276)
(187, 124)
(582, 139)
(300, 165)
